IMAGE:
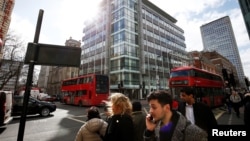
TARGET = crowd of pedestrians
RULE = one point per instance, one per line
(166, 119)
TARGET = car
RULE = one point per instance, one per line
(48, 98)
(35, 106)
(57, 97)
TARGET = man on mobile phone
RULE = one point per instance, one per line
(168, 124)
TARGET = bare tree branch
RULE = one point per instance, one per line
(13, 52)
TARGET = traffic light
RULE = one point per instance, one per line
(143, 85)
(247, 82)
(225, 74)
(121, 84)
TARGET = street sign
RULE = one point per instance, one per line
(53, 55)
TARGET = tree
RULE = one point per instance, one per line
(13, 47)
(11, 65)
(24, 74)
(12, 61)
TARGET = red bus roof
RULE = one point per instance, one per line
(87, 75)
(191, 68)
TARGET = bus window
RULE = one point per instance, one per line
(90, 79)
(102, 84)
(90, 94)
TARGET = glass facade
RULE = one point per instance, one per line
(124, 48)
(135, 43)
(218, 36)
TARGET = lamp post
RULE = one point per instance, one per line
(158, 71)
(169, 61)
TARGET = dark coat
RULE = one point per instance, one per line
(203, 115)
(246, 103)
(139, 119)
(181, 130)
(120, 128)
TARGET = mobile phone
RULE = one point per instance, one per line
(151, 117)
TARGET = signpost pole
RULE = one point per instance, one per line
(29, 80)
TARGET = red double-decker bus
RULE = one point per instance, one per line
(88, 90)
(209, 87)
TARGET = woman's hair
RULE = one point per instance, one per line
(122, 101)
(93, 112)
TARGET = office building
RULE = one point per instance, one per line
(6, 7)
(135, 43)
(218, 36)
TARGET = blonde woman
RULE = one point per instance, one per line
(120, 124)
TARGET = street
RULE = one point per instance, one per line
(64, 123)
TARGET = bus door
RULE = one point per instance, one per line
(198, 94)
(72, 97)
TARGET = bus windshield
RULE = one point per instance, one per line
(179, 73)
(102, 84)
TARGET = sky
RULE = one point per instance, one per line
(63, 19)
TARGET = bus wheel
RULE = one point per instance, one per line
(80, 104)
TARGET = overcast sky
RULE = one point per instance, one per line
(63, 19)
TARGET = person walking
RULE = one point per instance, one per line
(165, 124)
(2, 107)
(228, 103)
(120, 123)
(95, 127)
(198, 113)
(246, 103)
(139, 120)
(236, 102)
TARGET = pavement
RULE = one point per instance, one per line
(224, 118)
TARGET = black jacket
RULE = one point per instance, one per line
(120, 128)
(203, 115)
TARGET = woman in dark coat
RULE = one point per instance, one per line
(120, 124)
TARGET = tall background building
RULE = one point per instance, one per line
(6, 7)
(218, 36)
(135, 43)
